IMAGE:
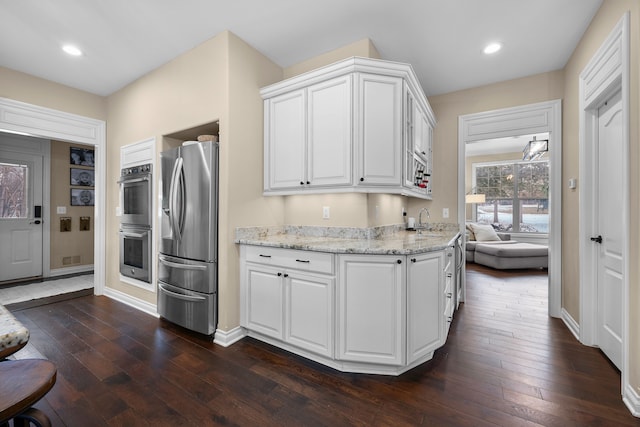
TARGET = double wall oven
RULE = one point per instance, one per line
(136, 220)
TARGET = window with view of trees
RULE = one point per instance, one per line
(13, 190)
(517, 195)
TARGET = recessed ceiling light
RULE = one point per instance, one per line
(72, 50)
(492, 48)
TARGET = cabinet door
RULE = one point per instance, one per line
(379, 130)
(371, 304)
(285, 144)
(424, 310)
(329, 139)
(264, 308)
(309, 312)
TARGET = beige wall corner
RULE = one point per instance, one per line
(241, 169)
(364, 48)
(601, 26)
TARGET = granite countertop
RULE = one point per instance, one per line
(385, 240)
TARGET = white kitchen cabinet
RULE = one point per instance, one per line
(285, 148)
(264, 300)
(329, 140)
(347, 127)
(424, 301)
(448, 289)
(309, 312)
(308, 136)
(293, 305)
(379, 130)
(371, 307)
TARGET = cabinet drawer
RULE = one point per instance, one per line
(318, 262)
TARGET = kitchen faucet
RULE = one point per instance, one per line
(422, 225)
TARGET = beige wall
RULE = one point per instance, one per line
(74, 244)
(607, 17)
(33, 90)
(218, 80)
(448, 107)
(364, 48)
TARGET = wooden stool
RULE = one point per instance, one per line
(22, 384)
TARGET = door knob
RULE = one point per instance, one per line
(597, 239)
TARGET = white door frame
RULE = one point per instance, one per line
(606, 73)
(516, 121)
(33, 120)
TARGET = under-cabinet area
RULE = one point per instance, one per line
(379, 306)
(358, 125)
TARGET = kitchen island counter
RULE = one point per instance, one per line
(387, 240)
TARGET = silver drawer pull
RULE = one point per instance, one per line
(182, 266)
(181, 296)
(303, 260)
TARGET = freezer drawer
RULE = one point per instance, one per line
(193, 310)
(192, 275)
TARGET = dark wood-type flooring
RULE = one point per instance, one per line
(505, 363)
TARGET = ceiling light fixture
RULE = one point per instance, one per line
(72, 50)
(535, 149)
(492, 48)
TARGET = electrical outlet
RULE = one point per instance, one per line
(445, 212)
(326, 212)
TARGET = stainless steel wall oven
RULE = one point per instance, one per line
(136, 220)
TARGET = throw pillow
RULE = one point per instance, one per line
(484, 232)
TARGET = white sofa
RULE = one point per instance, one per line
(496, 250)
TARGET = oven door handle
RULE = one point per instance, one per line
(182, 266)
(181, 296)
(134, 235)
(132, 180)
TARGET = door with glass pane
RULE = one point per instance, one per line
(20, 215)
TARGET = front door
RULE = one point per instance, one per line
(610, 277)
(20, 215)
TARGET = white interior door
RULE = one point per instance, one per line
(610, 276)
(20, 229)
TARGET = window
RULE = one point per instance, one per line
(516, 193)
(13, 190)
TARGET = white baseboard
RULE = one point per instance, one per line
(631, 398)
(226, 338)
(573, 326)
(70, 270)
(141, 305)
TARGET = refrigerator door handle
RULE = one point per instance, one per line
(181, 296)
(182, 266)
(173, 199)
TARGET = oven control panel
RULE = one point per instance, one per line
(136, 170)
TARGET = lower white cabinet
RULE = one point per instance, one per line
(309, 312)
(371, 303)
(424, 300)
(381, 314)
(291, 305)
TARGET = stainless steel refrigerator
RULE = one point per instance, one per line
(187, 262)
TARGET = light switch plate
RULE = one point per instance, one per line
(61, 210)
(445, 212)
(326, 212)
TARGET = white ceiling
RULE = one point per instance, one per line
(442, 39)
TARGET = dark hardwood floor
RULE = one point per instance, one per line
(505, 363)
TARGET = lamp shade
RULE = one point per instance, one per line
(474, 198)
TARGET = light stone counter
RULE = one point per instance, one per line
(385, 240)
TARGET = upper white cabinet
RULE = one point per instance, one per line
(309, 136)
(379, 130)
(355, 125)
